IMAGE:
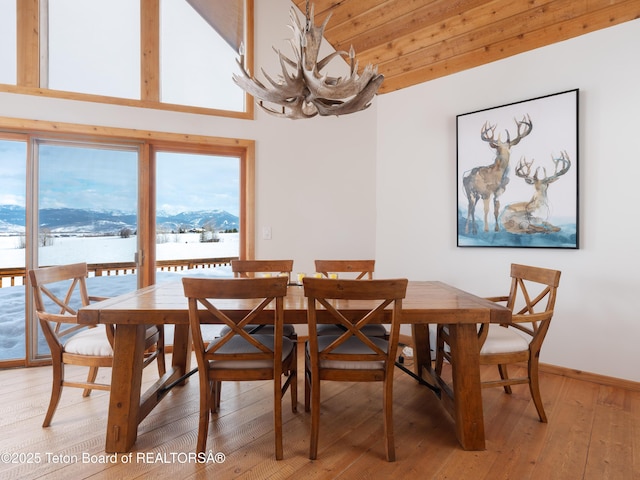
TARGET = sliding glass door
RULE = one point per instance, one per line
(135, 212)
(197, 217)
(197, 207)
(87, 197)
(13, 174)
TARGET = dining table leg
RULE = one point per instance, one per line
(128, 406)
(126, 381)
(467, 397)
(181, 357)
(421, 347)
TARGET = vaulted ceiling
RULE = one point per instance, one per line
(413, 41)
(225, 17)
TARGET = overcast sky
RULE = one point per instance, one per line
(92, 178)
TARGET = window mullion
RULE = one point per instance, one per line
(28, 57)
(150, 48)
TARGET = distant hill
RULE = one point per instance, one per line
(101, 222)
(218, 219)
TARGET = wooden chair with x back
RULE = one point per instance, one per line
(346, 269)
(239, 355)
(532, 299)
(249, 268)
(255, 268)
(356, 269)
(352, 356)
(258, 269)
(59, 292)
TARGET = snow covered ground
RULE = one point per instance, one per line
(116, 249)
(99, 250)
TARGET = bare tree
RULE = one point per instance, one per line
(45, 237)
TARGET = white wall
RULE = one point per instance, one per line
(318, 185)
(596, 326)
(315, 179)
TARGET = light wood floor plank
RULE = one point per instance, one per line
(593, 433)
(570, 429)
(610, 459)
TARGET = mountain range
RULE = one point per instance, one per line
(103, 222)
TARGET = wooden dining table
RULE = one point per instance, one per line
(426, 302)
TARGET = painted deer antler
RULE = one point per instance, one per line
(562, 165)
(491, 180)
(531, 216)
(303, 91)
(523, 126)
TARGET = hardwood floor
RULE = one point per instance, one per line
(593, 433)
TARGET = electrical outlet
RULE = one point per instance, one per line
(266, 233)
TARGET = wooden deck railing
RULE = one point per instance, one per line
(11, 277)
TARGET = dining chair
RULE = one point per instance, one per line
(239, 355)
(249, 269)
(256, 268)
(352, 356)
(531, 299)
(58, 292)
(358, 270)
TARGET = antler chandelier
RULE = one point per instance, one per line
(303, 91)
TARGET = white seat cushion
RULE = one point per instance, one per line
(353, 345)
(503, 340)
(92, 341)
(240, 345)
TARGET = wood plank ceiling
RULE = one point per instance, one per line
(413, 41)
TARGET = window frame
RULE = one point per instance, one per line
(20, 137)
(148, 143)
(29, 58)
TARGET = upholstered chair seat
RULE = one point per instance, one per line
(238, 346)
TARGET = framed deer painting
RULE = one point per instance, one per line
(517, 174)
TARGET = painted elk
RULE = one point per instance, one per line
(491, 180)
(531, 216)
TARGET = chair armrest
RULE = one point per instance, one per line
(54, 334)
(57, 318)
(531, 317)
(97, 299)
(498, 299)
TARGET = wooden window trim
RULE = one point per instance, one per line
(29, 73)
(148, 142)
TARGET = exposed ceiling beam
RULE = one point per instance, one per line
(413, 41)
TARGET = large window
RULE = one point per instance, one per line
(136, 211)
(87, 212)
(107, 59)
(198, 206)
(166, 54)
(195, 60)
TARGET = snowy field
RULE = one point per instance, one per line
(99, 250)
(116, 249)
